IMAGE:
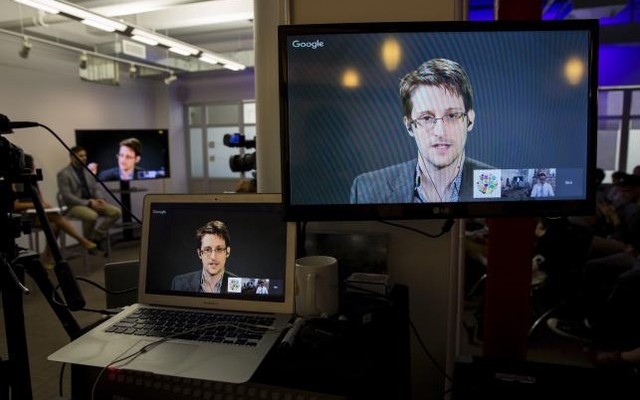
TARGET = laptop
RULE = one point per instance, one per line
(257, 258)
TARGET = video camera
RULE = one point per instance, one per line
(243, 162)
(12, 170)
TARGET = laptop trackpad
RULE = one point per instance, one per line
(160, 358)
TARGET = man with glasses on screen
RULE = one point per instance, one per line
(129, 155)
(213, 249)
(437, 100)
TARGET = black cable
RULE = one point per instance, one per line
(104, 289)
(105, 187)
(301, 238)
(413, 328)
(427, 352)
(61, 379)
(446, 227)
(55, 299)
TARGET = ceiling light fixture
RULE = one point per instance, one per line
(26, 48)
(85, 16)
(178, 47)
(210, 59)
(38, 5)
(155, 39)
(138, 65)
(145, 37)
(233, 66)
(139, 34)
(216, 60)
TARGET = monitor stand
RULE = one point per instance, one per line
(125, 198)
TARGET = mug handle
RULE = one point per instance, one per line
(310, 296)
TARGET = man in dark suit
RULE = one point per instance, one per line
(213, 248)
(129, 155)
(437, 101)
(80, 193)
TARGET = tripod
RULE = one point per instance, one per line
(15, 381)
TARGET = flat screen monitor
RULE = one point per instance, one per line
(126, 154)
(438, 119)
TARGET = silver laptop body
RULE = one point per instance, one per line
(262, 252)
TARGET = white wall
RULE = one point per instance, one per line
(427, 266)
(46, 88)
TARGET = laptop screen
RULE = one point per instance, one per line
(213, 248)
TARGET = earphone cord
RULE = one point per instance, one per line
(454, 178)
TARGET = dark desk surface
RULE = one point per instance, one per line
(366, 356)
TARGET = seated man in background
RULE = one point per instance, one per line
(56, 219)
(79, 192)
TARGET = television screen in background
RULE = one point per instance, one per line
(103, 148)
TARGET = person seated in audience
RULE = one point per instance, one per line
(607, 305)
(611, 325)
(564, 248)
(613, 194)
(597, 222)
(625, 219)
(56, 219)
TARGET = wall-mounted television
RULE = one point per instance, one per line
(127, 154)
(438, 119)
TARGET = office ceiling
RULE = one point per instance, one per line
(197, 22)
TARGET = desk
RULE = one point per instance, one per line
(365, 357)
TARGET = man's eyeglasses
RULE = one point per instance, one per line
(210, 250)
(126, 156)
(429, 122)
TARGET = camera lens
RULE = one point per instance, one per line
(242, 163)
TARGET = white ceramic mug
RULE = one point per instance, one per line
(316, 286)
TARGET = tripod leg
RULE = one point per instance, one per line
(18, 368)
(30, 262)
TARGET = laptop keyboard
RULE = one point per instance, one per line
(227, 328)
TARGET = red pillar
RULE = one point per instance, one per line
(517, 10)
(510, 251)
(507, 290)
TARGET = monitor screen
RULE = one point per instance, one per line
(438, 119)
(126, 154)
